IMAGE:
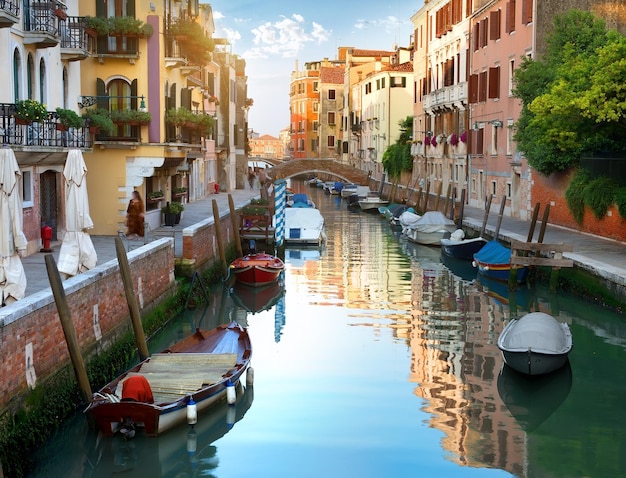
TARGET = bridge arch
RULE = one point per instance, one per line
(297, 167)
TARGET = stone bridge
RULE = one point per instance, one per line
(330, 167)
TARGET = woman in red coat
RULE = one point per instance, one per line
(135, 214)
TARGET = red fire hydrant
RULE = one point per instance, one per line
(216, 187)
(46, 237)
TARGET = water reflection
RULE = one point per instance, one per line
(382, 359)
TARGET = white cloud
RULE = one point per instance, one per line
(217, 15)
(286, 37)
(231, 35)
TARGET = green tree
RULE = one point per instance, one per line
(397, 157)
(573, 99)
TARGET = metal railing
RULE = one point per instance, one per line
(74, 34)
(44, 17)
(10, 6)
(47, 133)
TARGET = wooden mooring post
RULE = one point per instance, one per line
(554, 258)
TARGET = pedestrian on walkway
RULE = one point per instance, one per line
(251, 177)
(135, 216)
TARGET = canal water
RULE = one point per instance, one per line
(374, 360)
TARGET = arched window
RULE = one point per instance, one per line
(17, 70)
(30, 76)
(42, 82)
(119, 92)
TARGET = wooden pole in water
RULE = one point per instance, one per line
(487, 208)
(500, 214)
(426, 197)
(408, 200)
(544, 223)
(533, 223)
(131, 299)
(447, 203)
(218, 234)
(68, 327)
(462, 207)
(438, 196)
(234, 219)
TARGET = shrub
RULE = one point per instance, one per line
(599, 195)
(575, 195)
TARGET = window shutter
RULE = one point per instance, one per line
(479, 141)
(482, 86)
(172, 97)
(130, 8)
(494, 31)
(527, 11)
(473, 89)
(133, 93)
(101, 92)
(185, 98)
(494, 82)
(510, 16)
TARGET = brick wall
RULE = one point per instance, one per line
(551, 190)
(96, 300)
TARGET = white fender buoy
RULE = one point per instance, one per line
(192, 412)
(231, 415)
(249, 376)
(231, 394)
(474, 264)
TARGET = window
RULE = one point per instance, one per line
(509, 137)
(331, 94)
(510, 16)
(508, 190)
(482, 86)
(378, 84)
(382, 83)
(315, 125)
(316, 106)
(397, 82)
(331, 117)
(316, 85)
(511, 75)
(27, 187)
(494, 140)
(493, 188)
(527, 11)
(494, 32)
(331, 141)
(494, 82)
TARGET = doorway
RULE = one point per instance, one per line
(48, 201)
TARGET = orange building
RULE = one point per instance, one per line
(267, 147)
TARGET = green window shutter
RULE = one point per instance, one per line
(185, 98)
(130, 8)
(133, 93)
(101, 92)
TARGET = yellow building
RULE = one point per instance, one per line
(155, 75)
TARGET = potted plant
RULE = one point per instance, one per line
(171, 213)
(29, 111)
(68, 119)
(99, 121)
(131, 117)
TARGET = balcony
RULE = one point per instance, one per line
(42, 23)
(9, 13)
(76, 43)
(48, 133)
(118, 37)
(448, 98)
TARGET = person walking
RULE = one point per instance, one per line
(135, 216)
(251, 177)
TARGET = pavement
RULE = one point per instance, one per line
(604, 257)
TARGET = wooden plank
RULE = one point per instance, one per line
(535, 246)
(541, 261)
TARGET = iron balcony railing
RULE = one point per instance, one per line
(10, 6)
(74, 35)
(44, 17)
(48, 133)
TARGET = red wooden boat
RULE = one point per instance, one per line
(257, 269)
(155, 394)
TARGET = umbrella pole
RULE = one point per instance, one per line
(68, 327)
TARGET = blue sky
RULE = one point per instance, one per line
(273, 35)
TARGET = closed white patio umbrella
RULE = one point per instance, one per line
(77, 253)
(12, 238)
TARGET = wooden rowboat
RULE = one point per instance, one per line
(155, 394)
(257, 269)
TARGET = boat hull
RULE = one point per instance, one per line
(372, 204)
(501, 272)
(426, 238)
(257, 270)
(535, 344)
(223, 352)
(463, 249)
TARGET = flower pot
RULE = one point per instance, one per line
(61, 127)
(22, 121)
(169, 219)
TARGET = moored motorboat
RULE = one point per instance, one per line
(494, 260)
(461, 248)
(304, 225)
(372, 202)
(535, 344)
(155, 394)
(430, 229)
(257, 269)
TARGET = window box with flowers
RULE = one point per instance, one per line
(154, 197)
(180, 192)
(213, 99)
(119, 26)
(30, 111)
(99, 121)
(131, 117)
(463, 137)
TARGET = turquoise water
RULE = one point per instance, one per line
(378, 360)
